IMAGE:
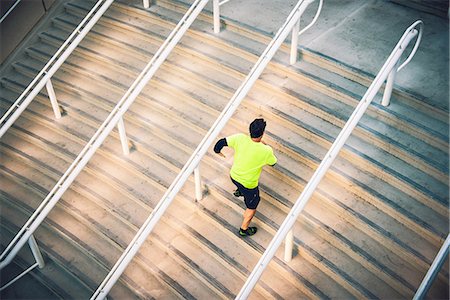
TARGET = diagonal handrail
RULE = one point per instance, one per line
(101, 134)
(9, 11)
(433, 271)
(53, 65)
(309, 189)
(200, 151)
(40, 80)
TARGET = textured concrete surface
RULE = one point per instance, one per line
(339, 38)
(362, 34)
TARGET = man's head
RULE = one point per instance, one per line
(257, 128)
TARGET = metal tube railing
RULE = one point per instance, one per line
(135, 244)
(112, 120)
(43, 78)
(31, 268)
(198, 184)
(433, 271)
(9, 11)
(296, 33)
(200, 151)
(37, 257)
(20, 104)
(300, 203)
(216, 14)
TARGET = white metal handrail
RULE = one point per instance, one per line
(193, 162)
(300, 203)
(433, 271)
(223, 2)
(296, 33)
(112, 120)
(9, 11)
(17, 108)
(37, 257)
(216, 14)
(43, 78)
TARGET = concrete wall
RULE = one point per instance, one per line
(19, 22)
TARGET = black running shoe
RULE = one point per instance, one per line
(248, 231)
(237, 193)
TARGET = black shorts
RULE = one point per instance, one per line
(251, 196)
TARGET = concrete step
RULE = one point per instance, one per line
(103, 222)
(255, 36)
(398, 175)
(59, 246)
(314, 77)
(337, 91)
(280, 143)
(437, 174)
(89, 213)
(328, 193)
(355, 242)
(210, 262)
(45, 283)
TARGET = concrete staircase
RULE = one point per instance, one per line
(370, 231)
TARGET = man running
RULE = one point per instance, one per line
(250, 155)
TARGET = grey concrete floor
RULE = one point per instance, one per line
(362, 34)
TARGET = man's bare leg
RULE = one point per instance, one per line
(248, 216)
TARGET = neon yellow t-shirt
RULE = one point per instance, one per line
(249, 158)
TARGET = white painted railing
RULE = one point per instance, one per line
(433, 271)
(114, 119)
(44, 76)
(9, 11)
(108, 125)
(37, 257)
(194, 161)
(216, 14)
(286, 227)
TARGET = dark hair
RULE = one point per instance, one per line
(257, 128)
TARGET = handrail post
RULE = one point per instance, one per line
(216, 16)
(52, 96)
(123, 136)
(389, 86)
(296, 31)
(433, 271)
(294, 42)
(146, 3)
(289, 246)
(198, 184)
(36, 252)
